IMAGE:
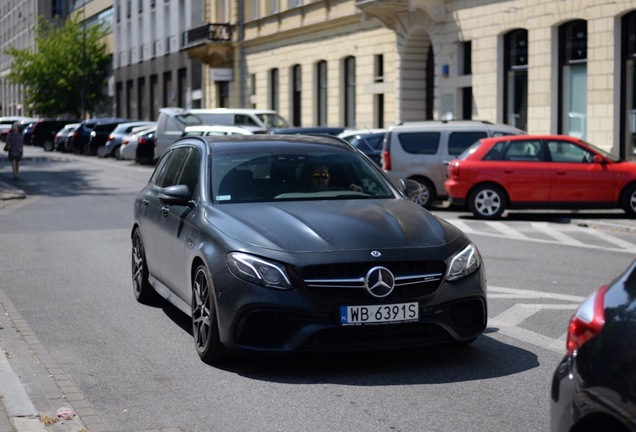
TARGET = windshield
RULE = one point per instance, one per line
(603, 152)
(295, 174)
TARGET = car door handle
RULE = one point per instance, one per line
(165, 210)
(559, 172)
(145, 202)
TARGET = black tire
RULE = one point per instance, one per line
(427, 195)
(205, 327)
(629, 201)
(47, 145)
(488, 202)
(144, 292)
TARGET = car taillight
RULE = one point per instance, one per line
(142, 141)
(75, 134)
(587, 321)
(386, 160)
(111, 137)
(453, 170)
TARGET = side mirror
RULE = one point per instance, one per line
(410, 188)
(175, 195)
(598, 159)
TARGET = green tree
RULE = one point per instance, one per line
(66, 72)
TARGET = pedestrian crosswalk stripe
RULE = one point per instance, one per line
(558, 235)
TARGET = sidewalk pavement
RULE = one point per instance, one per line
(37, 395)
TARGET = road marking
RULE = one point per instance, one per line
(506, 230)
(557, 237)
(547, 229)
(502, 292)
(507, 322)
(611, 239)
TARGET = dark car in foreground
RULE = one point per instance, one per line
(539, 172)
(278, 243)
(594, 386)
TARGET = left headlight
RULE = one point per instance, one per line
(463, 263)
(258, 271)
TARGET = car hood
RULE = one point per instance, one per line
(337, 225)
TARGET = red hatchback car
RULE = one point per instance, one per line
(539, 172)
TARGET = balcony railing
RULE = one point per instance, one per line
(210, 32)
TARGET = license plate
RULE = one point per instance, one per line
(379, 314)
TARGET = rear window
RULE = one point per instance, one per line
(460, 141)
(419, 142)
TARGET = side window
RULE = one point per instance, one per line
(244, 120)
(460, 141)
(524, 150)
(562, 151)
(495, 152)
(174, 161)
(190, 172)
(419, 142)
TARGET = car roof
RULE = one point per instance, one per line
(257, 140)
(206, 128)
(532, 137)
(449, 124)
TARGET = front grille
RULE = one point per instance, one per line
(340, 283)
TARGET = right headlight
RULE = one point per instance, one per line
(259, 271)
(463, 263)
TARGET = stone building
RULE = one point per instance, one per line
(547, 66)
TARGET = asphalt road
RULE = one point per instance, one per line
(66, 268)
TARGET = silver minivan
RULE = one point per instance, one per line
(172, 122)
(421, 151)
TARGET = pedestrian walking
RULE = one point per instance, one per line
(14, 146)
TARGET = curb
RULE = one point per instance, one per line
(35, 392)
(8, 191)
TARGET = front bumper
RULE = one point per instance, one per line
(255, 318)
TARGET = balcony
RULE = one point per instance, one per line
(387, 10)
(210, 43)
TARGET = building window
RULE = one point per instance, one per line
(273, 7)
(573, 79)
(516, 78)
(628, 87)
(273, 89)
(253, 9)
(296, 91)
(222, 11)
(321, 93)
(294, 3)
(378, 102)
(465, 58)
(349, 85)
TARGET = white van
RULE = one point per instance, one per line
(172, 122)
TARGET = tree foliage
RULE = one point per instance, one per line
(67, 71)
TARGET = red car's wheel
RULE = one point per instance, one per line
(488, 202)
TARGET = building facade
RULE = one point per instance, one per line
(546, 66)
(18, 24)
(18, 28)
